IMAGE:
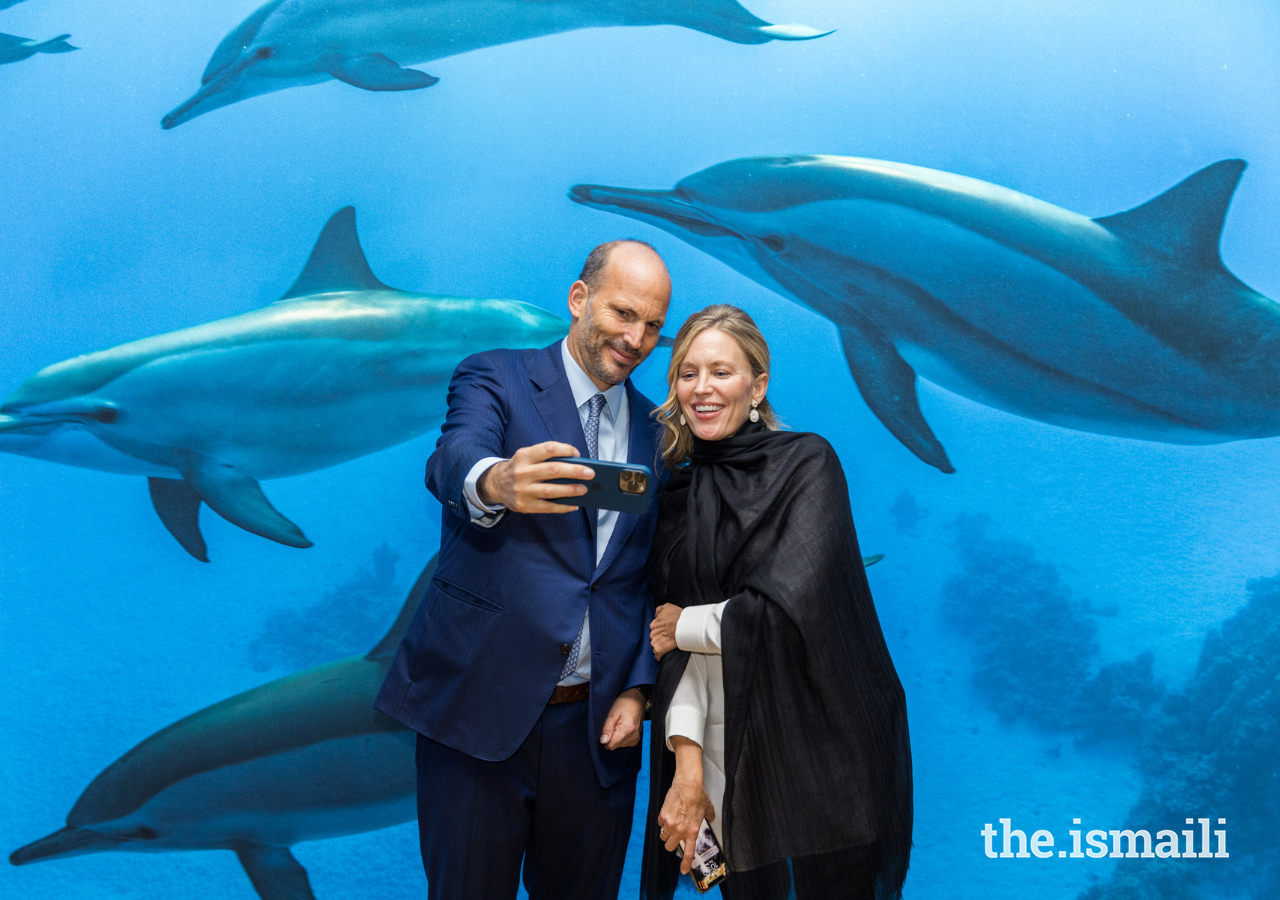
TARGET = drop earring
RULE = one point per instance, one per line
(754, 415)
(681, 418)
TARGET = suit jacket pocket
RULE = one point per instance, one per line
(463, 595)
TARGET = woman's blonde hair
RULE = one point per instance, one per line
(677, 441)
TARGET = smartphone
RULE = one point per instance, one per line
(708, 866)
(621, 486)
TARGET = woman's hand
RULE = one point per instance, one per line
(687, 803)
(662, 630)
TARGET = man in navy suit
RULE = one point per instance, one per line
(526, 670)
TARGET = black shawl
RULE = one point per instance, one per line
(817, 754)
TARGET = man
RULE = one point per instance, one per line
(526, 669)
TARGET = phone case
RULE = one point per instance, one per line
(622, 486)
(708, 860)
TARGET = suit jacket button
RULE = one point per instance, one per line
(565, 648)
(595, 586)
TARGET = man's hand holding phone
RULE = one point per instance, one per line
(520, 483)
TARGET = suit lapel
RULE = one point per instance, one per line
(554, 403)
(641, 450)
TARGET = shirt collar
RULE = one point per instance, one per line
(584, 388)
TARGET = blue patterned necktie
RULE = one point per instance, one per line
(592, 429)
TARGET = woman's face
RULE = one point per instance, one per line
(714, 386)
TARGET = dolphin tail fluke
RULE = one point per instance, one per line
(794, 32)
(55, 45)
(178, 506)
(386, 647)
(375, 72)
(1186, 220)
(239, 499)
(67, 841)
(888, 385)
(275, 874)
(731, 21)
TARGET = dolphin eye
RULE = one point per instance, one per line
(773, 242)
(106, 415)
(143, 833)
(263, 53)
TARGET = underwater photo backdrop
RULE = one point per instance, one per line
(1015, 260)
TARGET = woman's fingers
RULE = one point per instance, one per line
(662, 630)
(680, 820)
(688, 835)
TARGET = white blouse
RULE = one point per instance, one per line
(697, 707)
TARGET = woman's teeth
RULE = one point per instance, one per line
(707, 409)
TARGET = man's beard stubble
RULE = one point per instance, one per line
(592, 346)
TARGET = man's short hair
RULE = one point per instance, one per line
(592, 273)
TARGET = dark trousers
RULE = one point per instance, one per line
(843, 875)
(477, 820)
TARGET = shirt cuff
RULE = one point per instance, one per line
(698, 628)
(479, 510)
(685, 721)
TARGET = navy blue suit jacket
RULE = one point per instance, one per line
(482, 655)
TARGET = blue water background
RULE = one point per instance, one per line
(114, 230)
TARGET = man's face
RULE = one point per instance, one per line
(618, 326)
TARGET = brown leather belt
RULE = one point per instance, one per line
(570, 693)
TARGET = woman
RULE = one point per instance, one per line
(777, 713)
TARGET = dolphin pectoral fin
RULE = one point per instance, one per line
(869, 561)
(793, 32)
(1186, 220)
(888, 385)
(375, 72)
(178, 506)
(275, 874)
(239, 499)
(337, 262)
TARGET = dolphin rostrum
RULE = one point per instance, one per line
(339, 367)
(287, 44)
(298, 759)
(15, 49)
(1126, 325)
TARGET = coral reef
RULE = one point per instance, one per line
(907, 513)
(1036, 644)
(347, 619)
(1215, 751)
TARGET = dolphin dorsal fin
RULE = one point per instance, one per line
(337, 263)
(1187, 219)
(391, 640)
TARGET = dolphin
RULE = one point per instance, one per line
(15, 49)
(339, 367)
(287, 44)
(298, 759)
(5, 4)
(1128, 325)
